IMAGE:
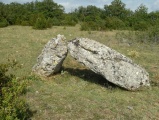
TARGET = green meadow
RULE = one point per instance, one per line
(76, 93)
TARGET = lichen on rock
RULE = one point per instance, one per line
(53, 54)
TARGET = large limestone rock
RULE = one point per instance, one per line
(52, 57)
(107, 62)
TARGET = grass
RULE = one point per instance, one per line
(76, 92)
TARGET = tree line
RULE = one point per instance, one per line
(47, 13)
(38, 14)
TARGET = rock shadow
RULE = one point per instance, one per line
(90, 76)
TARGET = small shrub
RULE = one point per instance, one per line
(25, 23)
(40, 24)
(43, 23)
(153, 34)
(12, 106)
(49, 23)
(141, 25)
(84, 26)
(56, 22)
(3, 23)
(133, 54)
(71, 23)
(18, 21)
(90, 26)
(114, 23)
(32, 19)
(64, 27)
(148, 36)
(89, 32)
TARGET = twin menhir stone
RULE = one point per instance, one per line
(112, 65)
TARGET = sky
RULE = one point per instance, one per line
(70, 5)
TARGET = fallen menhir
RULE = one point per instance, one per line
(107, 62)
(113, 66)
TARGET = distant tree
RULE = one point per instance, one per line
(91, 16)
(141, 12)
(3, 21)
(69, 19)
(2, 10)
(115, 9)
(153, 18)
(141, 18)
(49, 9)
(15, 11)
(113, 16)
(81, 13)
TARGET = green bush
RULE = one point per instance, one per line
(68, 21)
(25, 23)
(71, 23)
(32, 19)
(84, 26)
(148, 36)
(43, 23)
(56, 22)
(49, 23)
(40, 23)
(153, 33)
(18, 21)
(93, 25)
(114, 23)
(3, 23)
(12, 105)
(141, 25)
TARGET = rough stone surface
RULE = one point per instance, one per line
(107, 62)
(52, 57)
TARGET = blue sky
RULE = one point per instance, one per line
(70, 5)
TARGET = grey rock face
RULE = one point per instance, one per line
(52, 57)
(107, 62)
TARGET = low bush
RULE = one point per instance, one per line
(40, 23)
(84, 26)
(43, 23)
(91, 25)
(69, 21)
(12, 105)
(133, 54)
(25, 23)
(154, 34)
(49, 23)
(114, 23)
(56, 22)
(141, 25)
(3, 23)
(148, 36)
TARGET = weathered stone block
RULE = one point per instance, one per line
(109, 63)
(52, 56)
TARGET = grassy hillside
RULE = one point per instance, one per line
(76, 92)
